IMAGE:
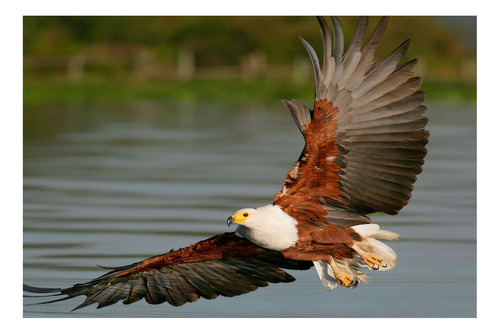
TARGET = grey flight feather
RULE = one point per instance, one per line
(315, 62)
(380, 123)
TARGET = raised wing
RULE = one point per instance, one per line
(225, 265)
(364, 139)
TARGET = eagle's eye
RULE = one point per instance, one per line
(245, 214)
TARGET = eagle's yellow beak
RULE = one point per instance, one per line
(237, 218)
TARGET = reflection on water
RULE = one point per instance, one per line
(111, 185)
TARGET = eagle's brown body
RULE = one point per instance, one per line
(320, 242)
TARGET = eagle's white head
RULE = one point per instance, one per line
(266, 226)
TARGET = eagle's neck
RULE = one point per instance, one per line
(274, 229)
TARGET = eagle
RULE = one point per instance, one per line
(364, 146)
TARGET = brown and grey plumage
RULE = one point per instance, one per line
(225, 265)
(364, 146)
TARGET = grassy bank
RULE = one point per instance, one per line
(98, 90)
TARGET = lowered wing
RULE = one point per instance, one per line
(226, 265)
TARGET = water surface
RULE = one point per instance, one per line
(114, 184)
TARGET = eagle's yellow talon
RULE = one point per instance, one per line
(344, 279)
(373, 261)
(347, 280)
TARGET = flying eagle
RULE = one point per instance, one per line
(364, 145)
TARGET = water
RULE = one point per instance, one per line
(115, 184)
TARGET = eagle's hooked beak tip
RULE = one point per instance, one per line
(230, 221)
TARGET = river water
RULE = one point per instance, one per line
(114, 184)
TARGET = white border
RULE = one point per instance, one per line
(488, 126)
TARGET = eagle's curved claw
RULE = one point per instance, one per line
(373, 261)
(354, 283)
(347, 280)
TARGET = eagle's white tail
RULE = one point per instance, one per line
(325, 275)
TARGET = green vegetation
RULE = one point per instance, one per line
(89, 91)
(96, 91)
(73, 60)
(450, 90)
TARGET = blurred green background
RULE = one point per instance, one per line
(73, 60)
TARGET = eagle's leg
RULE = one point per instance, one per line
(373, 261)
(344, 279)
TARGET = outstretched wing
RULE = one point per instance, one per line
(225, 265)
(365, 138)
